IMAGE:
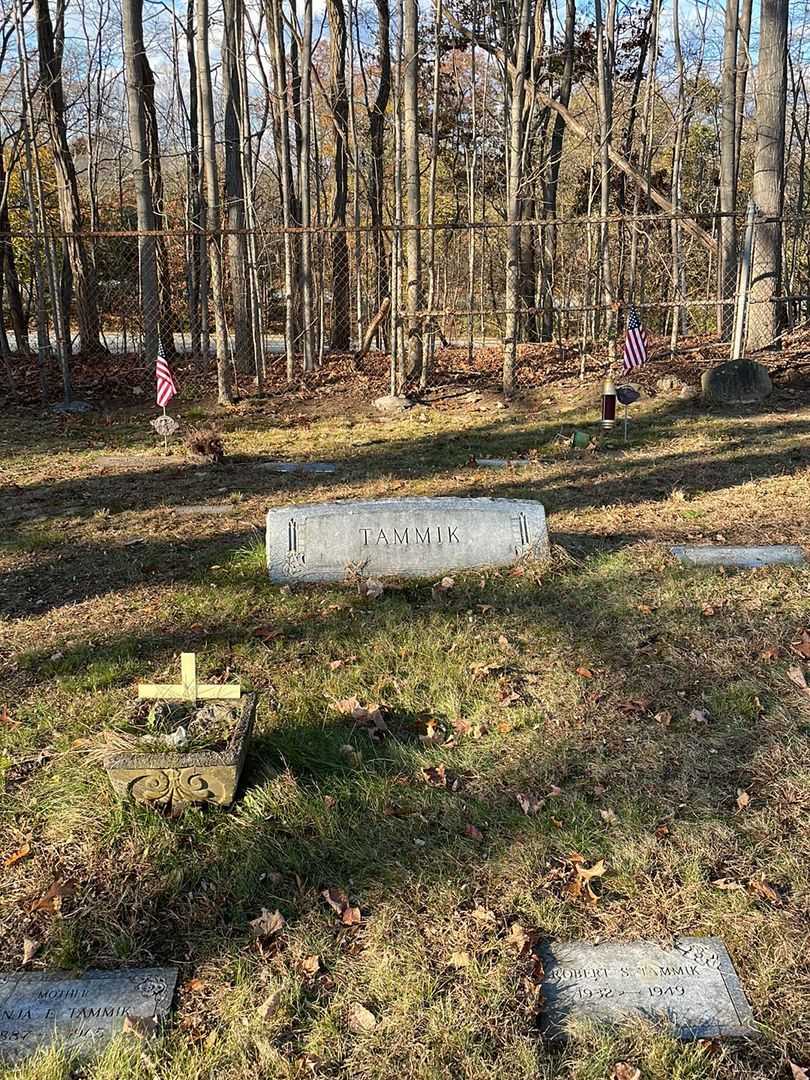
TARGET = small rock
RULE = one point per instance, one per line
(669, 382)
(392, 403)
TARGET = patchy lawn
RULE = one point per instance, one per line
(643, 712)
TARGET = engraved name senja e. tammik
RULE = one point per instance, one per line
(428, 534)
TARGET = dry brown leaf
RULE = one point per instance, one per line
(311, 965)
(584, 673)
(336, 899)
(53, 899)
(459, 959)
(770, 654)
(664, 718)
(764, 891)
(30, 949)
(270, 1006)
(727, 885)
(797, 677)
(799, 1072)
(360, 1020)
(743, 799)
(370, 588)
(194, 986)
(22, 852)
(350, 916)
(443, 586)
(529, 804)
(520, 938)
(483, 916)
(802, 645)
(139, 1026)
(473, 832)
(609, 816)
(268, 923)
(624, 1071)
(580, 885)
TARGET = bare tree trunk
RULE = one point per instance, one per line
(195, 246)
(339, 104)
(82, 270)
(304, 197)
(727, 261)
(132, 22)
(431, 209)
(766, 317)
(605, 64)
(677, 168)
(236, 240)
(413, 217)
(376, 123)
(212, 217)
(514, 179)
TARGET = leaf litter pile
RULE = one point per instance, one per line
(443, 774)
(165, 727)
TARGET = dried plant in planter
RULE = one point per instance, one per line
(205, 445)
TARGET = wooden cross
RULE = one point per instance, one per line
(189, 689)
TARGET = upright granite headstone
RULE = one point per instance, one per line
(691, 988)
(418, 537)
(739, 382)
(80, 1012)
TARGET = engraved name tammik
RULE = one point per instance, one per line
(429, 534)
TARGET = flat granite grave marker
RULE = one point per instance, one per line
(293, 467)
(743, 557)
(691, 987)
(416, 537)
(80, 1012)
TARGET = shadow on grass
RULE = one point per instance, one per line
(63, 573)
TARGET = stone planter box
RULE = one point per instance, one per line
(175, 780)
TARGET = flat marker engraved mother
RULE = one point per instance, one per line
(406, 538)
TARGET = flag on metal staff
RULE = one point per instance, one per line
(166, 386)
(635, 342)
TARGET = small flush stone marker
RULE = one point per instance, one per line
(691, 988)
(743, 557)
(80, 1012)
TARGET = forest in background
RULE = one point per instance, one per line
(237, 179)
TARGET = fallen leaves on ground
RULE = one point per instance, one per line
(443, 586)
(802, 645)
(759, 887)
(521, 939)
(360, 1020)
(22, 852)
(797, 677)
(769, 654)
(270, 1006)
(371, 588)
(584, 673)
(335, 665)
(609, 816)
(798, 1072)
(368, 717)
(664, 718)
(622, 1070)
(30, 949)
(311, 965)
(580, 887)
(472, 832)
(54, 897)
(459, 959)
(139, 1026)
(743, 799)
(438, 776)
(268, 924)
(338, 901)
(529, 804)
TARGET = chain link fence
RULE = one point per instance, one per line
(270, 303)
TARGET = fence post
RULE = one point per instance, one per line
(743, 284)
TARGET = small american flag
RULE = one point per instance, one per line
(166, 387)
(635, 342)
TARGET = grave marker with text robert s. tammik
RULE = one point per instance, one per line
(417, 537)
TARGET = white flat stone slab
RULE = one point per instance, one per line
(691, 988)
(204, 510)
(411, 538)
(324, 467)
(502, 463)
(80, 1012)
(745, 557)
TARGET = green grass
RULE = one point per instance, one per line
(492, 666)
